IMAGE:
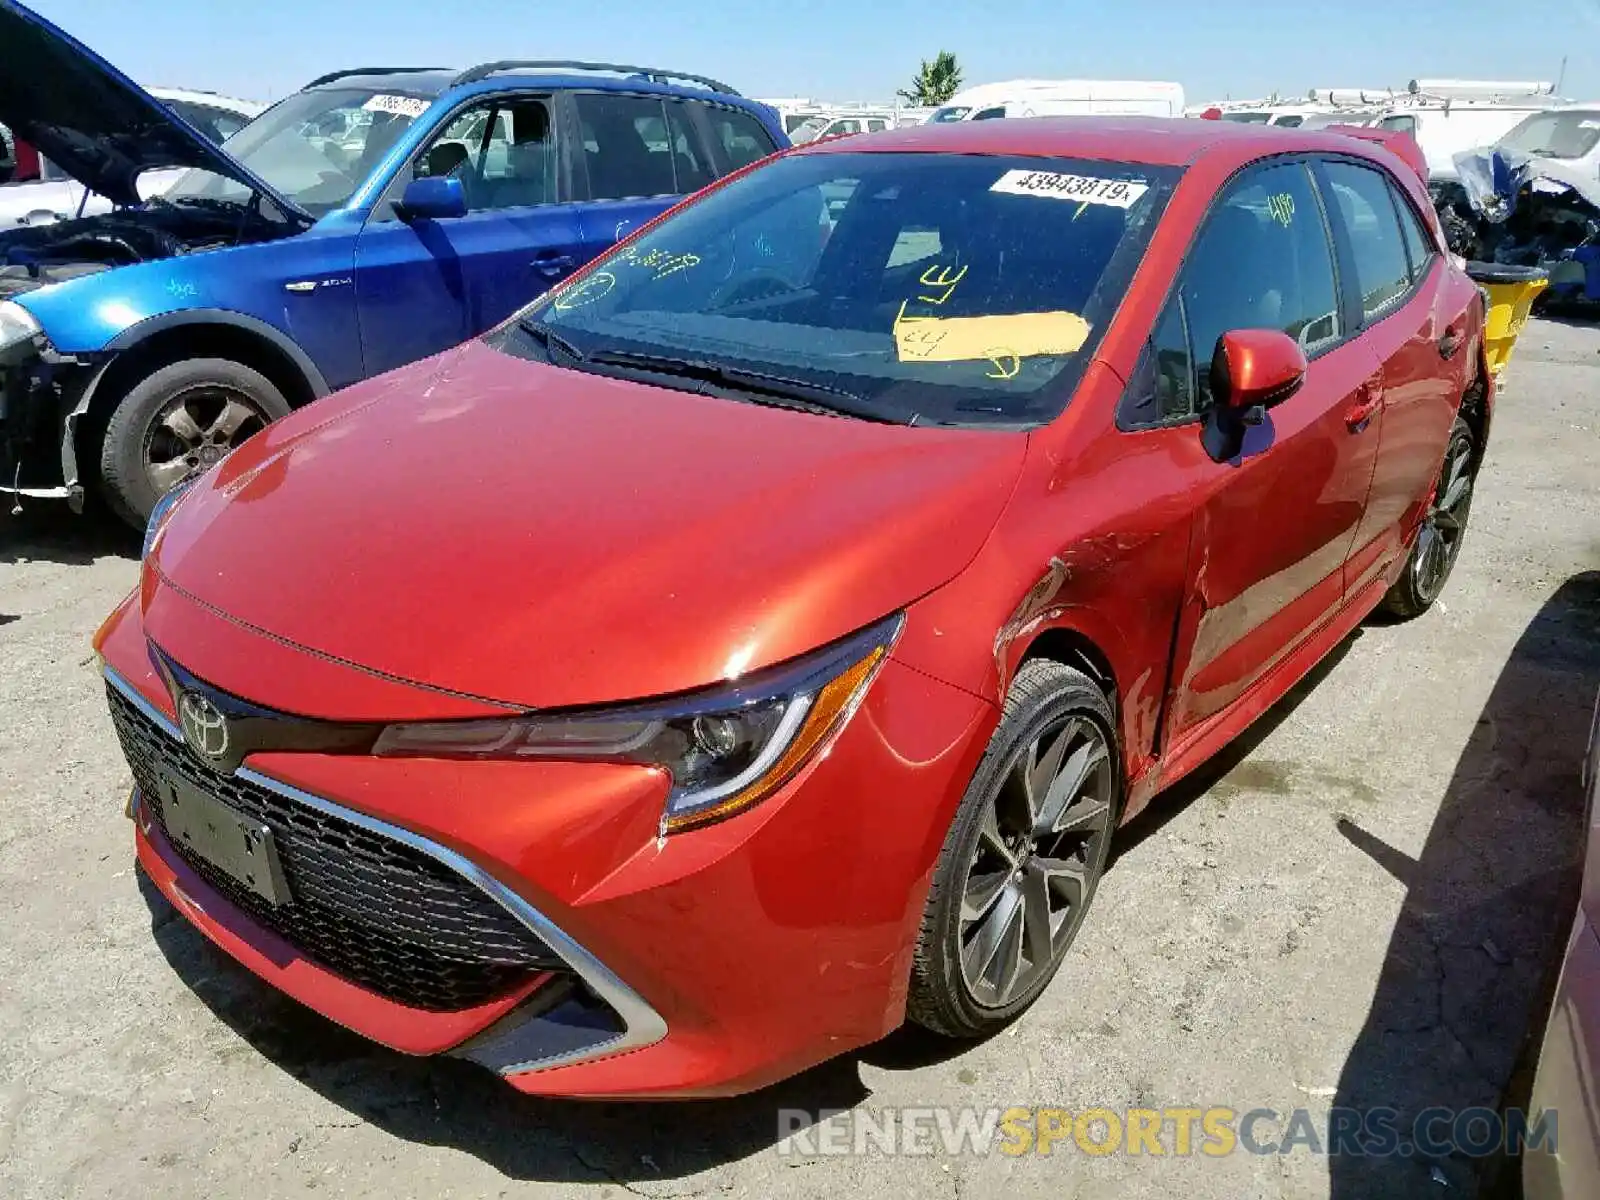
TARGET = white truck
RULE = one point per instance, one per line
(1449, 116)
(1062, 98)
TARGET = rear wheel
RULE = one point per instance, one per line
(174, 424)
(1438, 545)
(1023, 856)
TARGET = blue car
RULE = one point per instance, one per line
(374, 218)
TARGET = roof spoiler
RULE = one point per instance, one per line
(1396, 141)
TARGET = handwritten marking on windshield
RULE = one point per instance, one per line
(939, 277)
(586, 291)
(1006, 365)
(1281, 208)
(662, 262)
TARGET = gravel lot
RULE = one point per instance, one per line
(1358, 906)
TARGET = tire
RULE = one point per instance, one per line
(1438, 543)
(957, 988)
(147, 449)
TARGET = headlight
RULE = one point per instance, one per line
(725, 750)
(17, 325)
(161, 514)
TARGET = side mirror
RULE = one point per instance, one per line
(1251, 370)
(436, 199)
(1256, 368)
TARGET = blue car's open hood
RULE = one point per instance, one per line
(94, 122)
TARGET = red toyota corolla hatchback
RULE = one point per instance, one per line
(757, 641)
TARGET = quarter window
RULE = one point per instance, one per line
(1419, 246)
(1163, 388)
(1365, 205)
(742, 137)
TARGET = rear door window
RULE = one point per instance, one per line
(691, 164)
(625, 146)
(1363, 202)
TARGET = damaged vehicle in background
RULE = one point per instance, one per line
(1517, 205)
(140, 346)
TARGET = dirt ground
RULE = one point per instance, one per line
(1358, 906)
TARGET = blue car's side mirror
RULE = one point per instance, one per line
(436, 199)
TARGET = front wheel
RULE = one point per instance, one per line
(177, 422)
(1438, 545)
(1022, 858)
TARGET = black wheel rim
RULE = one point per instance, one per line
(1439, 539)
(1040, 850)
(193, 430)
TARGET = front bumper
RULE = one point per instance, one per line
(43, 399)
(708, 963)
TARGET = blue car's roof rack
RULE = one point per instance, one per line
(332, 75)
(653, 74)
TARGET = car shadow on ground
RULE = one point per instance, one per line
(1470, 967)
(51, 532)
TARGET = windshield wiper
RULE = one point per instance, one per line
(550, 339)
(799, 394)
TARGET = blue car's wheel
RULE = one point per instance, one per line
(174, 424)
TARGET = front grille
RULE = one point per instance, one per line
(367, 907)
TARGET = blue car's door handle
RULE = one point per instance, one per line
(551, 262)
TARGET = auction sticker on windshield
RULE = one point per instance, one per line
(400, 106)
(1083, 189)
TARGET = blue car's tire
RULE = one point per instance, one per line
(175, 423)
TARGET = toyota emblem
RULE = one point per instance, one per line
(204, 726)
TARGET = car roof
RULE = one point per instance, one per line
(1152, 141)
(432, 82)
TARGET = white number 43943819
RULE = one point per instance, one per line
(1081, 189)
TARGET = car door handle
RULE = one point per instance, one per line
(551, 262)
(1450, 342)
(1359, 415)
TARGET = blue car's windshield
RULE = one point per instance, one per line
(952, 288)
(314, 148)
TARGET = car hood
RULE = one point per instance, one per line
(545, 538)
(93, 121)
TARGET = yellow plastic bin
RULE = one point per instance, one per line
(1511, 291)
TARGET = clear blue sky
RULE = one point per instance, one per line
(857, 49)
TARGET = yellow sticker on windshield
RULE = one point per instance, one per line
(1003, 338)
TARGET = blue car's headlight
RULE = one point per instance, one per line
(161, 514)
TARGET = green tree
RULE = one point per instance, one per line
(936, 82)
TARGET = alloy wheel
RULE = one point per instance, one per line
(1040, 849)
(195, 429)
(1439, 540)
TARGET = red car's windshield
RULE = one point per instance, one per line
(943, 288)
